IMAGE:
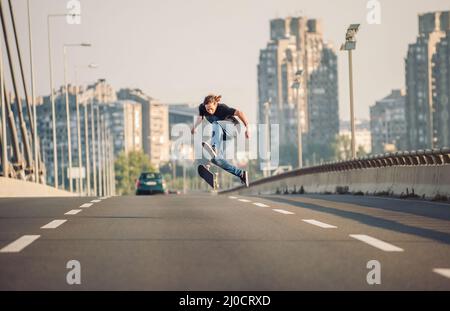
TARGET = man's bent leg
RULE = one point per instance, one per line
(217, 136)
(224, 164)
(217, 143)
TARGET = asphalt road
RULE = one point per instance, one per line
(223, 242)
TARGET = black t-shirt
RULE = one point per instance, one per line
(223, 112)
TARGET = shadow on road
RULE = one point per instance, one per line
(371, 220)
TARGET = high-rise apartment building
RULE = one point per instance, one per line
(182, 113)
(323, 106)
(441, 92)
(420, 102)
(285, 96)
(388, 124)
(155, 125)
(125, 117)
(122, 119)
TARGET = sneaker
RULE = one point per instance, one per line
(211, 150)
(244, 178)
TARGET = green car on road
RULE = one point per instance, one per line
(150, 183)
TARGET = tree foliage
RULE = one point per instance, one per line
(128, 167)
(342, 147)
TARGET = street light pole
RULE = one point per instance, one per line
(296, 87)
(349, 45)
(267, 115)
(52, 99)
(107, 164)
(63, 176)
(104, 156)
(174, 168)
(77, 107)
(112, 181)
(110, 156)
(69, 138)
(352, 114)
(99, 144)
(80, 164)
(3, 103)
(33, 100)
(113, 171)
(110, 167)
(86, 139)
(299, 134)
(94, 162)
(86, 150)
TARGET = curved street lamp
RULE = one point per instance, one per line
(296, 86)
(349, 45)
(69, 139)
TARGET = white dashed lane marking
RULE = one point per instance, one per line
(244, 200)
(85, 205)
(443, 272)
(261, 204)
(19, 244)
(95, 201)
(232, 197)
(73, 212)
(376, 243)
(54, 224)
(282, 211)
(318, 223)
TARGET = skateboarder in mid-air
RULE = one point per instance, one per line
(214, 111)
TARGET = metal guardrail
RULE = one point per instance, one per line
(419, 157)
(401, 158)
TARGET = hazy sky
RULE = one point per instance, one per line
(180, 50)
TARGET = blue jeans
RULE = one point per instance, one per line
(217, 143)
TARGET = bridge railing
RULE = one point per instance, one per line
(419, 157)
(416, 158)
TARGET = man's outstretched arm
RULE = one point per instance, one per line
(244, 120)
(197, 122)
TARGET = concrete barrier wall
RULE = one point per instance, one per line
(428, 181)
(18, 188)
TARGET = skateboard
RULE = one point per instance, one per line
(208, 176)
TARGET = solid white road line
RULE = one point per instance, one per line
(376, 243)
(261, 204)
(319, 223)
(232, 197)
(443, 272)
(282, 211)
(85, 205)
(95, 201)
(244, 200)
(73, 212)
(19, 244)
(54, 224)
